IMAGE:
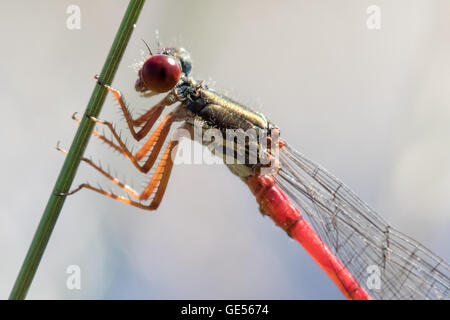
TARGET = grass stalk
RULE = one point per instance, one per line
(72, 161)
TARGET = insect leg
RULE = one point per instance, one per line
(148, 118)
(153, 144)
(156, 186)
(101, 137)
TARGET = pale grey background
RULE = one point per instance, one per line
(371, 106)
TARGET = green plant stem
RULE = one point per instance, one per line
(70, 166)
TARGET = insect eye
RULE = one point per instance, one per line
(160, 73)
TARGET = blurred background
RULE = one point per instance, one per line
(371, 106)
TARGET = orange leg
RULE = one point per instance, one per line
(148, 119)
(101, 137)
(156, 186)
(154, 142)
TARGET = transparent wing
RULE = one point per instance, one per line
(386, 263)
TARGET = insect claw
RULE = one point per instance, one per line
(98, 81)
(96, 120)
(104, 85)
(64, 194)
(60, 149)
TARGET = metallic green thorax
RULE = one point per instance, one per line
(216, 111)
(223, 113)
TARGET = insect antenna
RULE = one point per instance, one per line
(150, 51)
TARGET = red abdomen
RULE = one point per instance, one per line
(276, 204)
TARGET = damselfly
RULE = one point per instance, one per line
(360, 252)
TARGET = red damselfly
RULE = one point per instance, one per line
(360, 252)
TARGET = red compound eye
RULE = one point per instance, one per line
(160, 73)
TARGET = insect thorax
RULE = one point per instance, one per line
(228, 129)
